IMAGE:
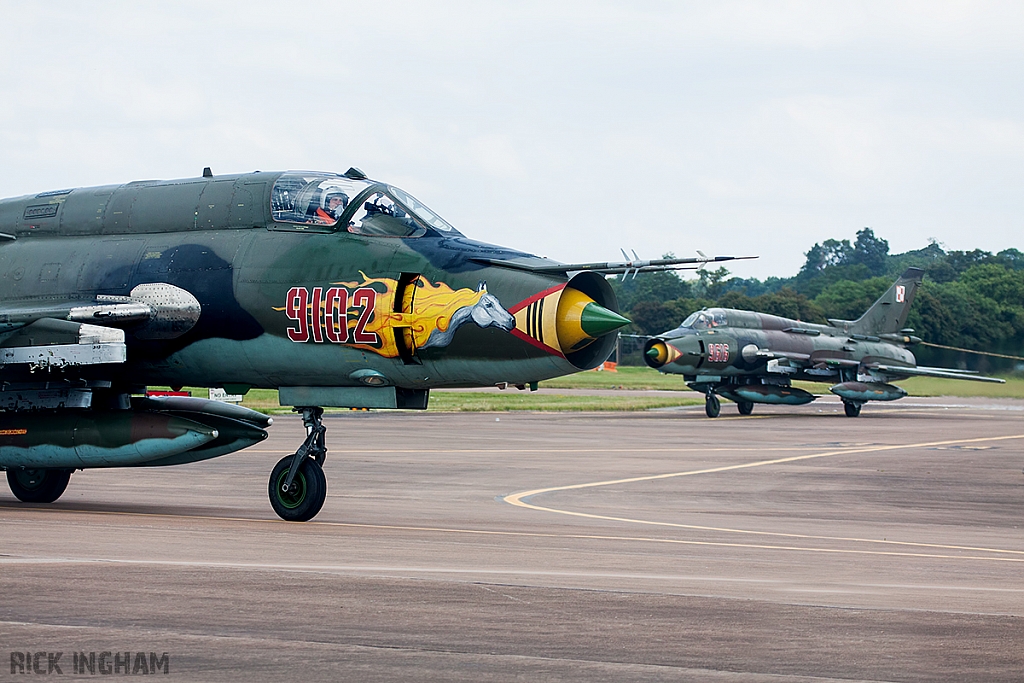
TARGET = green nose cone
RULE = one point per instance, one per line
(652, 353)
(596, 320)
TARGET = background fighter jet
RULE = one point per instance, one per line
(750, 357)
(335, 289)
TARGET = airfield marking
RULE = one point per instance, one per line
(312, 525)
(551, 450)
(997, 554)
(313, 568)
(519, 499)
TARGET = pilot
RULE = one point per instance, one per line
(334, 204)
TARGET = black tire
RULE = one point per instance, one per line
(852, 409)
(712, 406)
(745, 407)
(309, 490)
(38, 485)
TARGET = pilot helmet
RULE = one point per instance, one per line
(330, 195)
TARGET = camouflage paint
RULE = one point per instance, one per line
(212, 238)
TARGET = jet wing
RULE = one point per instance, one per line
(541, 265)
(934, 372)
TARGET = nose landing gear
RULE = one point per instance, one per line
(298, 486)
(712, 406)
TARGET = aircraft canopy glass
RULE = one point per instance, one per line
(702, 320)
(313, 199)
(421, 211)
(363, 207)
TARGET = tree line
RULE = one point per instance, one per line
(969, 299)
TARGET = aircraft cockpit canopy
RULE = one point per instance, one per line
(361, 207)
(706, 318)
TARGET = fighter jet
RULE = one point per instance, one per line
(335, 289)
(750, 357)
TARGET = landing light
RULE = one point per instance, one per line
(370, 378)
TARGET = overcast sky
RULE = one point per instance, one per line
(568, 129)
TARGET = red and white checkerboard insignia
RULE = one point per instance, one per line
(901, 293)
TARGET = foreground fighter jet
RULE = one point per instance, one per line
(337, 290)
(750, 357)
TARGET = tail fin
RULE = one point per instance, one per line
(889, 313)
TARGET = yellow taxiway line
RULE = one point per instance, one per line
(520, 500)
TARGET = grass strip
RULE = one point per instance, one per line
(631, 381)
(476, 401)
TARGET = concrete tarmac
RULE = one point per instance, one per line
(792, 545)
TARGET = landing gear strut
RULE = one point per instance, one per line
(298, 486)
(38, 485)
(712, 407)
(852, 409)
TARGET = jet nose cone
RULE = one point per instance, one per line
(581, 320)
(597, 321)
(656, 354)
(660, 354)
(576, 320)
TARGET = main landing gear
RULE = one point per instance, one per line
(852, 409)
(38, 485)
(712, 406)
(745, 407)
(298, 486)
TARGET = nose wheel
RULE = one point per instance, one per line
(712, 406)
(298, 486)
(302, 499)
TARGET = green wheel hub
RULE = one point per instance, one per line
(304, 497)
(293, 497)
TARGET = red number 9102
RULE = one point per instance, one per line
(324, 315)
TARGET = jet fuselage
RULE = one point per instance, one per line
(285, 301)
